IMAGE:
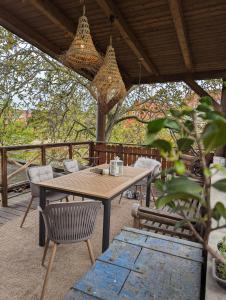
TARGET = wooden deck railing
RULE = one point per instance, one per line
(103, 152)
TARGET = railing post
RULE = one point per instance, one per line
(43, 155)
(4, 178)
(120, 151)
(70, 151)
(91, 153)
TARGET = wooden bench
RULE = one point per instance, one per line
(141, 265)
(164, 220)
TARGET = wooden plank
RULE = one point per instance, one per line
(26, 32)
(166, 277)
(159, 236)
(109, 9)
(104, 281)
(55, 15)
(122, 255)
(177, 15)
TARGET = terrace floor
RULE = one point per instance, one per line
(21, 255)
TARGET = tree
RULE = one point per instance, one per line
(62, 104)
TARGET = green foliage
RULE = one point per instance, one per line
(219, 211)
(214, 133)
(221, 268)
(179, 167)
(181, 186)
(220, 185)
(185, 144)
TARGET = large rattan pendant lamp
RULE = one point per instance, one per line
(108, 84)
(82, 52)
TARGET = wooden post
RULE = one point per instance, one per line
(4, 177)
(101, 122)
(119, 150)
(70, 151)
(91, 153)
(43, 155)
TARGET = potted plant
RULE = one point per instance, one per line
(199, 131)
(219, 269)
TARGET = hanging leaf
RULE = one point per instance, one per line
(184, 144)
(172, 124)
(214, 135)
(179, 167)
(156, 125)
(220, 185)
(162, 145)
(219, 211)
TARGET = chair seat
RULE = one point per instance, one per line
(55, 196)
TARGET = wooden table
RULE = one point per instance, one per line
(141, 265)
(93, 186)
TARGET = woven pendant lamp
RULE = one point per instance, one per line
(82, 52)
(108, 84)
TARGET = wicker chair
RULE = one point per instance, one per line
(68, 223)
(72, 166)
(146, 163)
(36, 175)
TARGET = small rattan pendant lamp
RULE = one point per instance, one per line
(82, 52)
(108, 84)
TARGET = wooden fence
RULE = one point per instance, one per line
(102, 152)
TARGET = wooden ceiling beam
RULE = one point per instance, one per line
(201, 92)
(109, 8)
(201, 75)
(48, 9)
(27, 33)
(196, 87)
(178, 20)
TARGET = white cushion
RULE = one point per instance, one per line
(71, 165)
(148, 163)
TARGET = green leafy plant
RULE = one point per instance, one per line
(221, 268)
(198, 132)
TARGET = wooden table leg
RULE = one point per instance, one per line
(42, 231)
(148, 191)
(106, 224)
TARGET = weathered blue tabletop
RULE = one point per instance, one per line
(141, 265)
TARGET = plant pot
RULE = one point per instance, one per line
(221, 282)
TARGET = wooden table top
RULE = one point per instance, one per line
(91, 184)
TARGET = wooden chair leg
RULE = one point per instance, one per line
(90, 249)
(45, 251)
(26, 212)
(48, 271)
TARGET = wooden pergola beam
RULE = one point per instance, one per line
(198, 75)
(177, 15)
(13, 24)
(48, 9)
(201, 92)
(109, 8)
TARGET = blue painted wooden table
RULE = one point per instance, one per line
(141, 265)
